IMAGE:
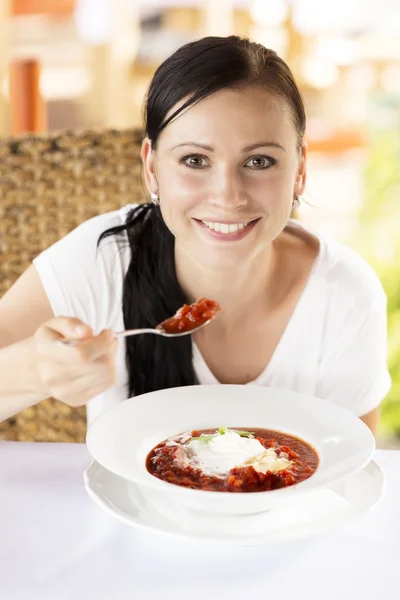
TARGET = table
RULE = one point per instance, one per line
(56, 544)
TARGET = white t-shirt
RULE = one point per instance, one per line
(334, 345)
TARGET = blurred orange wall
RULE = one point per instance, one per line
(47, 7)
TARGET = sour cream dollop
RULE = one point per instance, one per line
(222, 452)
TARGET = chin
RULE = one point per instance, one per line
(223, 259)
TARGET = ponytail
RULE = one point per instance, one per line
(151, 293)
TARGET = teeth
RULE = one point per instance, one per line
(225, 227)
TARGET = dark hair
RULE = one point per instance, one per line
(151, 290)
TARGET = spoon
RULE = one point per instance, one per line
(186, 321)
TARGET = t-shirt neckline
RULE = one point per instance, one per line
(260, 379)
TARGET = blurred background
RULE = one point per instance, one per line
(79, 64)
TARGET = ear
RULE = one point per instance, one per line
(301, 175)
(147, 155)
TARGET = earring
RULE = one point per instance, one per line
(154, 198)
(296, 202)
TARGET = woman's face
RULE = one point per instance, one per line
(226, 172)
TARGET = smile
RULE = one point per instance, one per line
(225, 227)
(227, 231)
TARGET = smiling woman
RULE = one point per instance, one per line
(225, 163)
(226, 187)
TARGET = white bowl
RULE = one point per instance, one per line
(121, 438)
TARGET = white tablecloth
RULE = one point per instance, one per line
(57, 544)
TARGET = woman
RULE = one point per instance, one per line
(225, 163)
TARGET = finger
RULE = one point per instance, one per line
(65, 327)
(82, 389)
(84, 352)
(81, 398)
(69, 371)
(97, 347)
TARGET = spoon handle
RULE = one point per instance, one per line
(126, 333)
(129, 332)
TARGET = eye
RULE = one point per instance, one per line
(260, 162)
(195, 161)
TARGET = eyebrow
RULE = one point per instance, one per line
(246, 149)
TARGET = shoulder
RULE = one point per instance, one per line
(347, 278)
(84, 279)
(93, 228)
(81, 246)
(79, 254)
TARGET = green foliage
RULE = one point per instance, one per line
(378, 241)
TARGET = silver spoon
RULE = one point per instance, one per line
(159, 330)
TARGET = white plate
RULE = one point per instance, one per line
(121, 438)
(318, 512)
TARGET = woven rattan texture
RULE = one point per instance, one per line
(49, 184)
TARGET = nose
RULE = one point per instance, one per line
(227, 190)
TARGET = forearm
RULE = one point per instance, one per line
(20, 383)
(371, 420)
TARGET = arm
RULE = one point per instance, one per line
(68, 284)
(32, 367)
(20, 385)
(354, 373)
(371, 419)
(22, 310)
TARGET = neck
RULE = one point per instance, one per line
(237, 290)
